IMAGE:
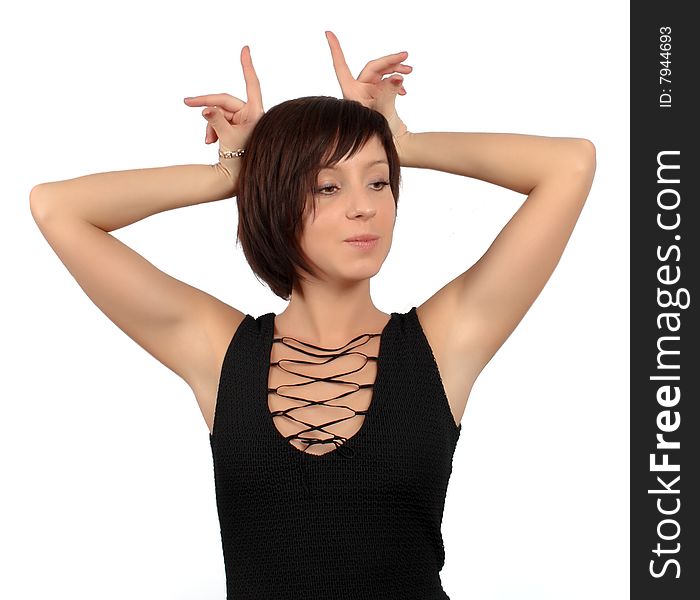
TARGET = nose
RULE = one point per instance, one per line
(362, 205)
(366, 213)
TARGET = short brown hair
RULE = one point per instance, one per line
(290, 144)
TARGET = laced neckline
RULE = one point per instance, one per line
(343, 445)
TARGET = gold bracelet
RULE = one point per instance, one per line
(231, 153)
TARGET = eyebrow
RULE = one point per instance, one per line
(366, 165)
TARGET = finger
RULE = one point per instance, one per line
(210, 136)
(226, 101)
(226, 113)
(390, 59)
(395, 83)
(215, 119)
(403, 68)
(398, 83)
(385, 65)
(252, 83)
(342, 72)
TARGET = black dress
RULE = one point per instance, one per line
(361, 520)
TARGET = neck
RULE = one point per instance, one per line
(330, 316)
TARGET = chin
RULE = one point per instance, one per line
(361, 270)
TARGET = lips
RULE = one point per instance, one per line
(362, 238)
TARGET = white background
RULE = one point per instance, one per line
(107, 478)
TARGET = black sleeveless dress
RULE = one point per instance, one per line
(362, 521)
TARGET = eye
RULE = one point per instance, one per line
(323, 189)
(383, 184)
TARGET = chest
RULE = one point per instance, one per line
(327, 389)
(317, 397)
(309, 394)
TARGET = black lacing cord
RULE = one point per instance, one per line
(336, 353)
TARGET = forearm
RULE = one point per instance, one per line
(115, 199)
(514, 161)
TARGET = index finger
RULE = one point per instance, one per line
(342, 71)
(252, 83)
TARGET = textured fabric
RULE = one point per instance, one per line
(357, 527)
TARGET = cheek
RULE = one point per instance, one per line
(316, 238)
(389, 214)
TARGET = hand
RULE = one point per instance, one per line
(229, 119)
(370, 89)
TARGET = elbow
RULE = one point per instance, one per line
(585, 155)
(34, 200)
(37, 202)
(577, 157)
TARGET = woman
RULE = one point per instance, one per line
(337, 483)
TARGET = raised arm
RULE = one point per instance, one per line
(468, 320)
(115, 199)
(475, 313)
(160, 313)
(173, 321)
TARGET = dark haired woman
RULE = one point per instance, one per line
(333, 424)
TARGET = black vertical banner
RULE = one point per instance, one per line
(665, 359)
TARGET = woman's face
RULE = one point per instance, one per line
(354, 198)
